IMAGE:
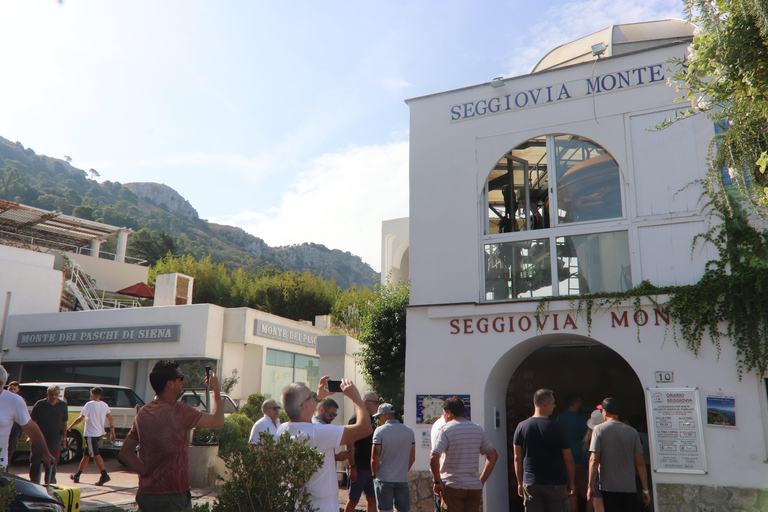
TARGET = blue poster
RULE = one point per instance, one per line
(721, 411)
(430, 407)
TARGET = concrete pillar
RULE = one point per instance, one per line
(122, 244)
(95, 247)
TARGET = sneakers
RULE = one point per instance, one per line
(75, 478)
(104, 479)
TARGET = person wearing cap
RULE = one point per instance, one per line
(393, 454)
(455, 479)
(269, 423)
(618, 456)
(543, 459)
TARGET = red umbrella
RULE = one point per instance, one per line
(139, 290)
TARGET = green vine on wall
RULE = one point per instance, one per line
(730, 300)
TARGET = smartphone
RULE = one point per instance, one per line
(207, 374)
(334, 386)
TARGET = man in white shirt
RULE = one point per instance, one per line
(95, 413)
(14, 409)
(300, 403)
(269, 423)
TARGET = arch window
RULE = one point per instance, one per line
(555, 221)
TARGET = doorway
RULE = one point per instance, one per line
(592, 370)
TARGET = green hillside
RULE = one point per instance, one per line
(161, 219)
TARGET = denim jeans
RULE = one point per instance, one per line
(392, 493)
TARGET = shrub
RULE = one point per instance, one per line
(271, 478)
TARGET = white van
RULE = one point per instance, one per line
(123, 402)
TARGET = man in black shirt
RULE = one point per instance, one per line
(51, 415)
(360, 462)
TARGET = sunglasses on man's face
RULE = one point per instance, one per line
(332, 415)
(180, 377)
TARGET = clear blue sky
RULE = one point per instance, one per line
(286, 119)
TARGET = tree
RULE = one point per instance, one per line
(383, 342)
(726, 77)
(152, 246)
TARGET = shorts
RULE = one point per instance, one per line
(541, 498)
(392, 495)
(364, 483)
(164, 502)
(92, 446)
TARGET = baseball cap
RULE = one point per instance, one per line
(385, 409)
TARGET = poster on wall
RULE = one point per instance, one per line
(676, 430)
(721, 410)
(430, 407)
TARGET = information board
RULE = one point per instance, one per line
(676, 430)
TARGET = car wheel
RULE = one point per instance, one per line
(73, 449)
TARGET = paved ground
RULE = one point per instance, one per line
(120, 492)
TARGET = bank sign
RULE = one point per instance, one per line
(101, 336)
(283, 333)
(559, 92)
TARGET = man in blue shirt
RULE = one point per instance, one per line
(543, 459)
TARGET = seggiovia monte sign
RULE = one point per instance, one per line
(559, 92)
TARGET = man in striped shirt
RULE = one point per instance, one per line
(462, 441)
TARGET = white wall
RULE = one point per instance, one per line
(110, 275)
(34, 285)
(450, 162)
(394, 250)
(482, 364)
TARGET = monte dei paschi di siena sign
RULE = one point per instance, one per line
(106, 335)
(559, 92)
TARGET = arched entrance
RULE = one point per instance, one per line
(566, 365)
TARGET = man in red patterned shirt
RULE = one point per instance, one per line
(162, 429)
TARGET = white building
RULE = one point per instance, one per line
(553, 184)
(120, 345)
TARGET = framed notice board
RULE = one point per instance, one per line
(676, 430)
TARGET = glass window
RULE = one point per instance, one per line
(518, 190)
(77, 396)
(593, 263)
(588, 182)
(515, 270)
(523, 195)
(283, 368)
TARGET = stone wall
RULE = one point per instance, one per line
(702, 498)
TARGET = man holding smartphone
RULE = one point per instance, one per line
(162, 427)
(300, 403)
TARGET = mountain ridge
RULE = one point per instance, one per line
(150, 208)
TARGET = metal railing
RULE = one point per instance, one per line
(84, 288)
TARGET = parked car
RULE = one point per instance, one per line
(197, 399)
(32, 497)
(123, 403)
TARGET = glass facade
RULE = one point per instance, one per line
(283, 368)
(568, 206)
